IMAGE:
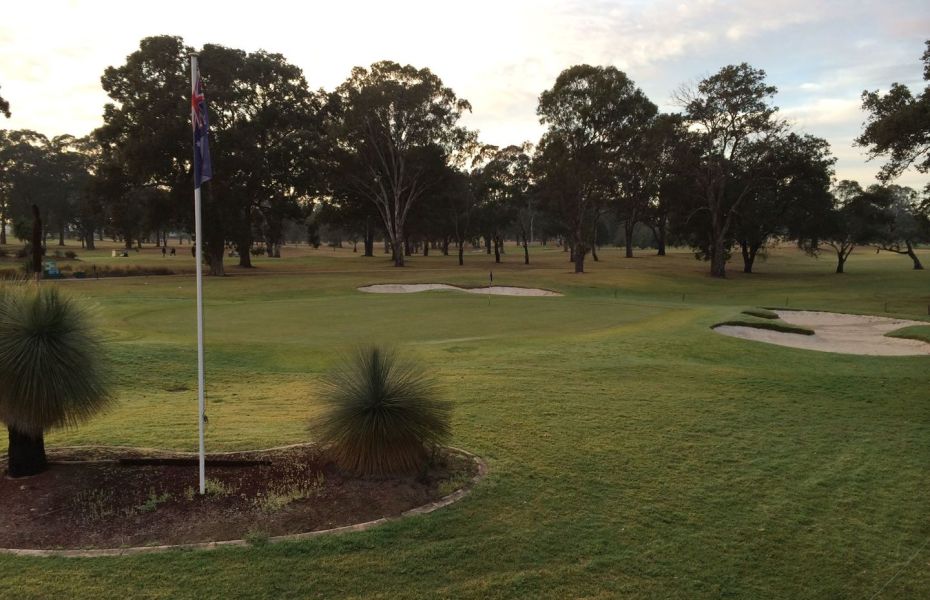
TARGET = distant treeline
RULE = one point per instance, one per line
(384, 157)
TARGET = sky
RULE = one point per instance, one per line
(497, 54)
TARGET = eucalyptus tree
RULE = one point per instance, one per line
(393, 120)
(732, 117)
(909, 222)
(854, 217)
(265, 123)
(267, 128)
(593, 116)
(797, 171)
(503, 188)
(898, 126)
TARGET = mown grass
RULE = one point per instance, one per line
(914, 332)
(633, 452)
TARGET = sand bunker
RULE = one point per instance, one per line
(410, 288)
(834, 332)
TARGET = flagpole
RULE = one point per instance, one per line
(199, 258)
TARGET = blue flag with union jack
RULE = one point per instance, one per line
(203, 168)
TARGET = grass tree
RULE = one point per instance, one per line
(51, 370)
(382, 416)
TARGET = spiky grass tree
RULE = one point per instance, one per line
(382, 415)
(51, 370)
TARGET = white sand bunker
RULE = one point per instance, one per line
(411, 288)
(834, 332)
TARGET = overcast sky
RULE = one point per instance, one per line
(498, 54)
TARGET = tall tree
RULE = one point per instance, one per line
(593, 115)
(797, 171)
(898, 126)
(909, 222)
(393, 119)
(728, 111)
(853, 218)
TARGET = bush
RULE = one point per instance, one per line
(51, 370)
(382, 416)
(71, 254)
(258, 251)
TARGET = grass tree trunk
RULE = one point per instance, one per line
(26, 454)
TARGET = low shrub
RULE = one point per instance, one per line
(382, 416)
(257, 251)
(70, 254)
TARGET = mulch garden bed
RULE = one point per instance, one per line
(115, 497)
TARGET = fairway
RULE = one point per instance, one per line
(632, 451)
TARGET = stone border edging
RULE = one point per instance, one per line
(133, 550)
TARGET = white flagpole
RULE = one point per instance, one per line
(199, 257)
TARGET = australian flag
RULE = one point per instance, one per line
(203, 168)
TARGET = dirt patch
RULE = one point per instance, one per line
(836, 332)
(412, 288)
(112, 498)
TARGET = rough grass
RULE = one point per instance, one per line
(632, 451)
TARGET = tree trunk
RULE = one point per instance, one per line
(718, 259)
(526, 250)
(89, 241)
(445, 246)
(578, 252)
(749, 256)
(244, 248)
(487, 244)
(594, 253)
(628, 226)
(214, 256)
(36, 242)
(3, 229)
(26, 453)
(369, 240)
(913, 255)
(61, 235)
(497, 249)
(840, 262)
(426, 248)
(397, 246)
(461, 244)
(660, 235)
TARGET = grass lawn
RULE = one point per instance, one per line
(633, 452)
